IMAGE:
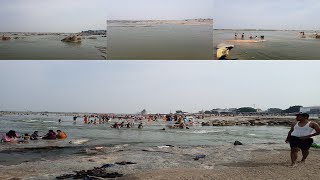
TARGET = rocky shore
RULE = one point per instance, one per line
(250, 121)
(173, 162)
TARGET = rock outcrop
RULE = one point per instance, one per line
(249, 122)
(73, 39)
(5, 38)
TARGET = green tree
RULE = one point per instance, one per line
(207, 112)
(144, 111)
(246, 110)
(293, 109)
(275, 110)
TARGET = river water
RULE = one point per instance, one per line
(161, 41)
(89, 136)
(279, 45)
(50, 47)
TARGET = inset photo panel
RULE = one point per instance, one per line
(53, 30)
(160, 30)
(266, 30)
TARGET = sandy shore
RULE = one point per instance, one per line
(263, 161)
(140, 23)
(262, 165)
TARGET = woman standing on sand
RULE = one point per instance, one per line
(300, 137)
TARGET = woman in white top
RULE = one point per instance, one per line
(300, 136)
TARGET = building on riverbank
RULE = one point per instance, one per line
(312, 111)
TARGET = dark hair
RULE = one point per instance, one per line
(306, 115)
(51, 130)
(12, 134)
(26, 134)
(58, 130)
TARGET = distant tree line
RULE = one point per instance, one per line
(292, 109)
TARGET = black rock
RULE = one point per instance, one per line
(124, 163)
(236, 143)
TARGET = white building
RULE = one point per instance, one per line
(313, 111)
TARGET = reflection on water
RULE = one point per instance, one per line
(279, 45)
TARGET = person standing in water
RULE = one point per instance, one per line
(300, 137)
(242, 36)
(235, 36)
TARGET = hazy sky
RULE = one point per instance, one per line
(267, 14)
(158, 86)
(78, 15)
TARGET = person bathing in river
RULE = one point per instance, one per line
(10, 136)
(115, 125)
(140, 126)
(61, 134)
(35, 136)
(300, 137)
(50, 135)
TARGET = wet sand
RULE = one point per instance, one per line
(262, 165)
(264, 161)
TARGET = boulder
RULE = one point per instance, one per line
(237, 143)
(73, 39)
(5, 38)
(252, 121)
(205, 124)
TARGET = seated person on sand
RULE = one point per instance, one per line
(61, 135)
(35, 136)
(10, 136)
(51, 135)
(251, 37)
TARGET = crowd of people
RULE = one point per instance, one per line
(251, 37)
(13, 137)
(117, 125)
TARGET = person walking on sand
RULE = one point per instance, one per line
(300, 137)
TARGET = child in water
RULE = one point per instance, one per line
(61, 134)
(35, 136)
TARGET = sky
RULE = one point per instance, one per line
(157, 86)
(78, 15)
(267, 14)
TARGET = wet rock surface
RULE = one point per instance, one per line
(94, 173)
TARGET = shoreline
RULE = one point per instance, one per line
(247, 161)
